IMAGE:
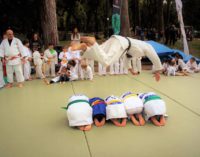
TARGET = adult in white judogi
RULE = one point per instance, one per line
(137, 65)
(91, 64)
(13, 51)
(123, 68)
(101, 69)
(51, 59)
(115, 47)
(114, 68)
(27, 64)
(2, 83)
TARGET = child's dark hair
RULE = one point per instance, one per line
(193, 59)
(26, 41)
(72, 63)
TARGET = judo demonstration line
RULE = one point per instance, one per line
(84, 132)
(179, 103)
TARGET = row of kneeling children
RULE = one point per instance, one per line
(82, 111)
(177, 67)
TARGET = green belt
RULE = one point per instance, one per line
(152, 97)
(75, 101)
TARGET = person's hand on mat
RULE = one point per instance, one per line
(157, 76)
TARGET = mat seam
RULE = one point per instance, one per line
(180, 104)
(86, 139)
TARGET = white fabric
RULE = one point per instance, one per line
(38, 64)
(111, 50)
(171, 71)
(14, 50)
(133, 104)
(2, 83)
(153, 108)
(179, 7)
(137, 64)
(115, 110)
(73, 74)
(91, 64)
(182, 64)
(50, 66)
(114, 68)
(86, 73)
(17, 69)
(101, 69)
(123, 67)
(192, 67)
(79, 113)
(27, 64)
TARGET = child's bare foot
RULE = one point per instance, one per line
(162, 120)
(81, 46)
(155, 121)
(9, 85)
(20, 85)
(134, 120)
(81, 128)
(132, 72)
(117, 123)
(90, 40)
(87, 127)
(46, 81)
(101, 123)
(141, 119)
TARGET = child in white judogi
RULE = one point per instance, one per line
(63, 58)
(154, 108)
(79, 112)
(86, 71)
(101, 69)
(37, 60)
(192, 65)
(28, 59)
(115, 111)
(74, 55)
(134, 107)
(2, 83)
(51, 59)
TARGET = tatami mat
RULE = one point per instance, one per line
(32, 123)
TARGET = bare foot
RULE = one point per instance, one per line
(134, 120)
(162, 120)
(155, 121)
(89, 40)
(88, 127)
(9, 85)
(101, 123)
(46, 81)
(141, 119)
(81, 46)
(20, 85)
(81, 128)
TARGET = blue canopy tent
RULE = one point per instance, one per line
(161, 49)
(166, 52)
(186, 58)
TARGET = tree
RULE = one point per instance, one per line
(49, 22)
(125, 23)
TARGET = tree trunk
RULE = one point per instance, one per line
(49, 22)
(137, 13)
(125, 23)
(160, 22)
